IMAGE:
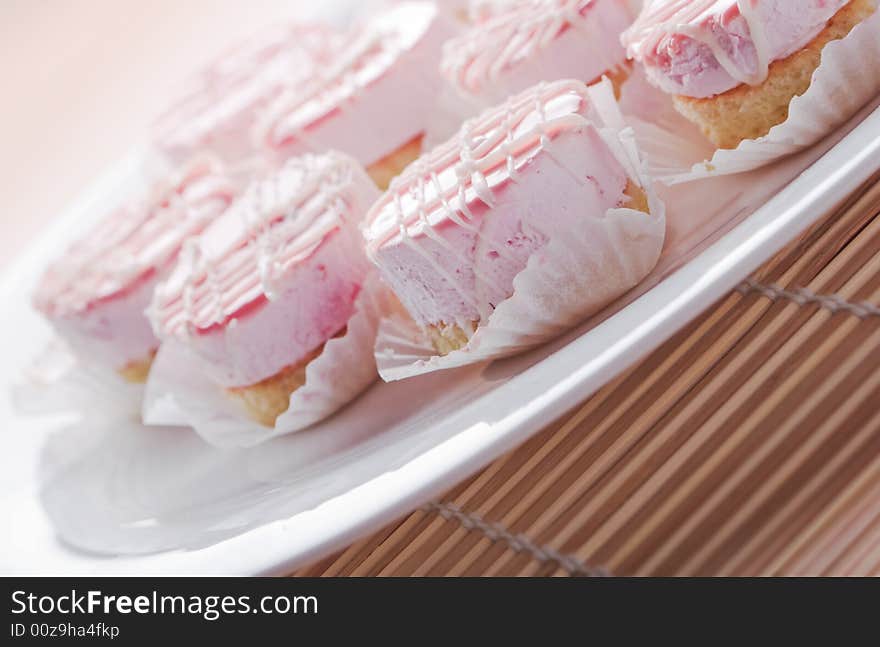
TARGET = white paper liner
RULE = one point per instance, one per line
(179, 393)
(847, 78)
(572, 276)
(57, 382)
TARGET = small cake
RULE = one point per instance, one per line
(264, 288)
(527, 41)
(733, 66)
(372, 99)
(96, 293)
(221, 110)
(456, 228)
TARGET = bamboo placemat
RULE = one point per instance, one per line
(748, 444)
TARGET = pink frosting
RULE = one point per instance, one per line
(373, 97)
(482, 10)
(114, 334)
(459, 224)
(221, 111)
(536, 40)
(276, 276)
(475, 11)
(95, 294)
(700, 48)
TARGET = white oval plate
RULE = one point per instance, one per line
(117, 497)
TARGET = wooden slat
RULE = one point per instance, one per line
(748, 444)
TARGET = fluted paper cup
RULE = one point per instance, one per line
(179, 393)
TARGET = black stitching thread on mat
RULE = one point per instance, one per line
(803, 296)
(519, 543)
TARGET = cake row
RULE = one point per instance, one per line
(303, 198)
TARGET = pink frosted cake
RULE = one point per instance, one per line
(96, 293)
(258, 294)
(461, 222)
(220, 112)
(733, 66)
(372, 100)
(529, 41)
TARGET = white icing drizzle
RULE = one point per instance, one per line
(482, 10)
(748, 10)
(190, 256)
(484, 54)
(136, 240)
(232, 91)
(693, 18)
(429, 231)
(497, 140)
(279, 218)
(371, 51)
